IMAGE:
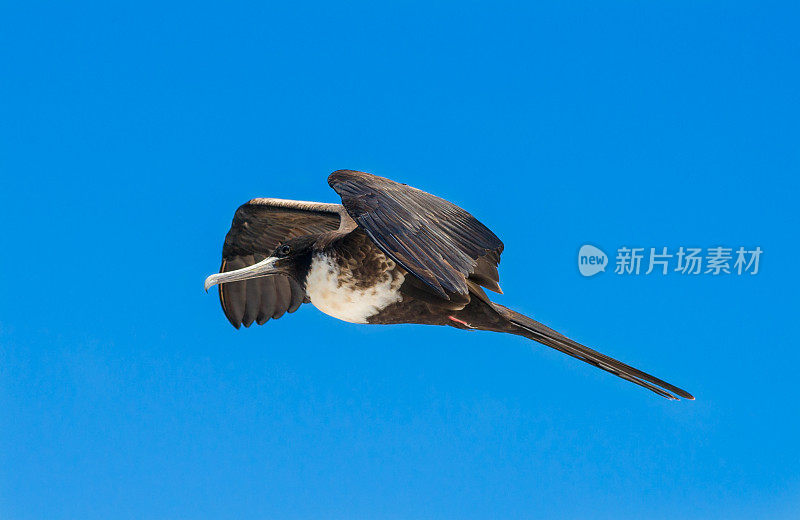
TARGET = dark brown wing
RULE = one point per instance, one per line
(438, 242)
(258, 228)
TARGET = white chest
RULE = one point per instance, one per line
(328, 293)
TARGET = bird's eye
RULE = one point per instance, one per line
(285, 249)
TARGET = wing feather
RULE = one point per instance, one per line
(435, 240)
(258, 227)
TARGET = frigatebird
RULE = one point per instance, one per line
(388, 254)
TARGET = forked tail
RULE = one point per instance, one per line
(534, 330)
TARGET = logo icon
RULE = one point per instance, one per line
(591, 260)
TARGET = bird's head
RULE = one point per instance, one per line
(291, 258)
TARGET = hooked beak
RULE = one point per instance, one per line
(265, 267)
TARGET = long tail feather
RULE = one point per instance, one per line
(534, 330)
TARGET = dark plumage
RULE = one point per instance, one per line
(388, 254)
(256, 231)
(430, 237)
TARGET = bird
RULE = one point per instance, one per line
(388, 254)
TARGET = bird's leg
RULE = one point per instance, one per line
(462, 322)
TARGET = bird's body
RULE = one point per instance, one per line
(352, 280)
(389, 254)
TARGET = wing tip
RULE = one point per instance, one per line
(236, 324)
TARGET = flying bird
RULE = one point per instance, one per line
(388, 254)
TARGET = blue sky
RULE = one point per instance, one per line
(131, 132)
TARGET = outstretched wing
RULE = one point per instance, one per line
(258, 227)
(435, 240)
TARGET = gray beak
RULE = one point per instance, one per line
(265, 267)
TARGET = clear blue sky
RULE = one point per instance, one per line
(130, 133)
